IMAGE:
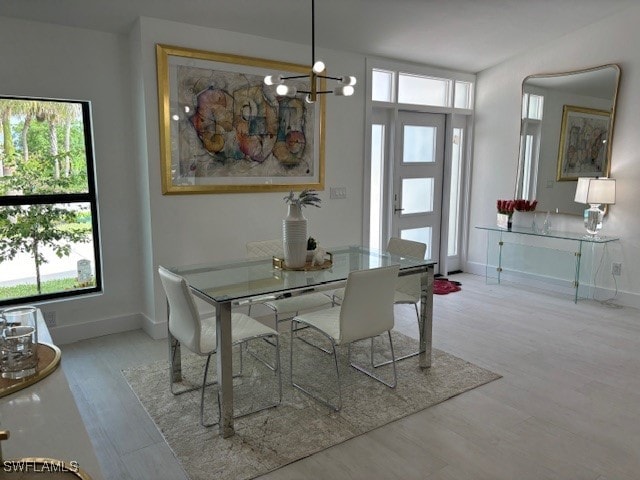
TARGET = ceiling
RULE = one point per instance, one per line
(464, 35)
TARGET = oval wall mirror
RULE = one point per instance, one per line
(566, 132)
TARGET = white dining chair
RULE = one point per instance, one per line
(284, 307)
(408, 289)
(197, 333)
(365, 312)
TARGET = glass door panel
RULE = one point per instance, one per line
(422, 235)
(417, 195)
(419, 144)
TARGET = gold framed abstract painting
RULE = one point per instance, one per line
(222, 130)
(584, 143)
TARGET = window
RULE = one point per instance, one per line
(382, 85)
(455, 188)
(49, 244)
(463, 95)
(377, 176)
(422, 90)
(532, 106)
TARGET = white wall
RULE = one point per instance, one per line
(140, 227)
(613, 40)
(187, 229)
(60, 62)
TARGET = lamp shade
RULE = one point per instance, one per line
(596, 191)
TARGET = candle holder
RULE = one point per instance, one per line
(18, 342)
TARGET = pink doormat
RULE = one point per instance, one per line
(442, 286)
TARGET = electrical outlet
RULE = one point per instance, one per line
(50, 319)
(616, 268)
(338, 192)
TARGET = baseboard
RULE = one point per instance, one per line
(609, 295)
(155, 330)
(475, 268)
(81, 331)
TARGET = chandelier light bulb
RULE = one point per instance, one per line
(284, 90)
(273, 80)
(318, 67)
(345, 90)
(348, 80)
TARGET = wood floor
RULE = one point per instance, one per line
(567, 407)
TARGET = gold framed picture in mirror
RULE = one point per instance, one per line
(583, 143)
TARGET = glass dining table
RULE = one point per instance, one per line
(225, 284)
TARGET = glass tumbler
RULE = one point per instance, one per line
(18, 342)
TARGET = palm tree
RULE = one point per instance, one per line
(6, 108)
(55, 113)
(28, 108)
(70, 112)
(48, 112)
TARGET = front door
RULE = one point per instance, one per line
(417, 179)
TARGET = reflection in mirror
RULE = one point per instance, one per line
(566, 133)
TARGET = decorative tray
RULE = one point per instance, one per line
(278, 264)
(48, 360)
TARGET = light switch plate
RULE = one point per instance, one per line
(338, 192)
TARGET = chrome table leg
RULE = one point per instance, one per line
(225, 368)
(426, 318)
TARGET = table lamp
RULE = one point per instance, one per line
(595, 191)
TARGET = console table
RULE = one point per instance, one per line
(557, 255)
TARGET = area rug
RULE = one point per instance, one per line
(299, 426)
(443, 286)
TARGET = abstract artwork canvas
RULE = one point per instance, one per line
(223, 130)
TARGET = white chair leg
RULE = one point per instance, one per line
(204, 384)
(294, 329)
(372, 375)
(273, 367)
(328, 352)
(277, 370)
(173, 351)
(404, 357)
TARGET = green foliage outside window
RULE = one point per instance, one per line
(42, 153)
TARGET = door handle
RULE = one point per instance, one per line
(398, 210)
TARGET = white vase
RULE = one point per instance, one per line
(504, 221)
(294, 238)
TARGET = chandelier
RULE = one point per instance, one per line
(346, 83)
